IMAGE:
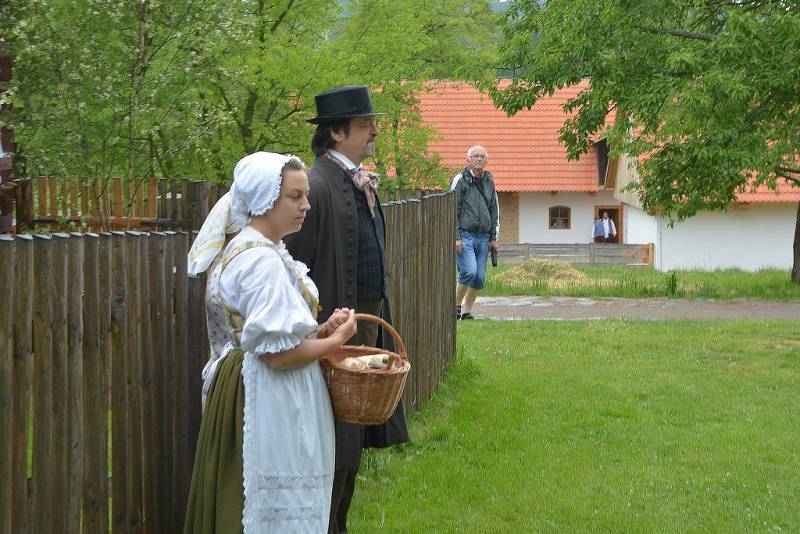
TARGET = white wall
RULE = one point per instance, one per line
(534, 209)
(640, 228)
(761, 235)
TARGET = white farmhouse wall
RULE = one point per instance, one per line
(534, 209)
(758, 236)
(640, 228)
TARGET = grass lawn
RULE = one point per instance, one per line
(612, 426)
(637, 282)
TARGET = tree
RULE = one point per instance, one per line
(266, 68)
(101, 85)
(397, 47)
(185, 88)
(706, 92)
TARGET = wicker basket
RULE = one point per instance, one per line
(366, 396)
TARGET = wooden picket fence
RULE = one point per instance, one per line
(62, 203)
(421, 260)
(99, 381)
(106, 204)
(102, 342)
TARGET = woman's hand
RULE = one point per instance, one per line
(338, 317)
(347, 329)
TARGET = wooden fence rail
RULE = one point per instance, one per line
(100, 377)
(580, 253)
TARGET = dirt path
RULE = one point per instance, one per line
(568, 308)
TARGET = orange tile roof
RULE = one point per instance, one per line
(785, 193)
(524, 152)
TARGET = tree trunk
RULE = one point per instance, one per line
(796, 265)
(138, 72)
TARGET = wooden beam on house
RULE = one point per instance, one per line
(611, 173)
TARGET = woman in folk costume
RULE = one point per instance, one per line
(206, 255)
(265, 454)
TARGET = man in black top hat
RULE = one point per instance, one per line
(343, 243)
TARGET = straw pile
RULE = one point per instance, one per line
(555, 273)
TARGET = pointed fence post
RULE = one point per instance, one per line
(24, 201)
(195, 205)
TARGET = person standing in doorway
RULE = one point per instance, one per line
(343, 243)
(477, 216)
(598, 231)
(609, 229)
(604, 230)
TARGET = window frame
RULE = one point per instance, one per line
(551, 218)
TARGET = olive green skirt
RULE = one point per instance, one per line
(216, 498)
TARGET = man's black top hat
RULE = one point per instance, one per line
(343, 103)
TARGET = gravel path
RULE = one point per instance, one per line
(568, 308)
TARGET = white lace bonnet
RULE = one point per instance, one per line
(256, 184)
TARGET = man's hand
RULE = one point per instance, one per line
(459, 246)
(493, 246)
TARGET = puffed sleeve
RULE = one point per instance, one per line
(258, 285)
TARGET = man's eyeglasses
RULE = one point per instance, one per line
(478, 156)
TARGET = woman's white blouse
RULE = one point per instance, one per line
(261, 285)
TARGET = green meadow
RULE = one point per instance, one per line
(613, 426)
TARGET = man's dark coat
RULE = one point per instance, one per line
(328, 245)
